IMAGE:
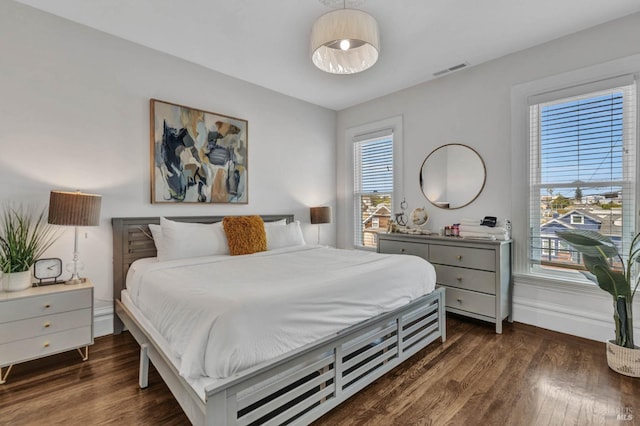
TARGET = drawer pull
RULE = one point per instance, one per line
(47, 324)
(46, 345)
(459, 301)
(459, 279)
(459, 257)
(401, 250)
(47, 306)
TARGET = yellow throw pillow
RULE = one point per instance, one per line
(245, 234)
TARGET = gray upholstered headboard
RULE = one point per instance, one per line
(132, 241)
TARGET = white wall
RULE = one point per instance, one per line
(473, 107)
(74, 114)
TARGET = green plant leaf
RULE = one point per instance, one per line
(24, 237)
(590, 243)
(611, 281)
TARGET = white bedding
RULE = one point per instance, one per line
(223, 314)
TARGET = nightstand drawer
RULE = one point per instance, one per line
(469, 279)
(465, 257)
(47, 304)
(39, 326)
(36, 347)
(478, 303)
(401, 247)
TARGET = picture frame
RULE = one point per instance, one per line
(197, 156)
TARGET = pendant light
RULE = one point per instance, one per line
(345, 41)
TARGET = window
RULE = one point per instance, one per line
(373, 187)
(577, 219)
(582, 171)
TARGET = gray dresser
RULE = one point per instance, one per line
(475, 273)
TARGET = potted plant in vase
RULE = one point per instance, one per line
(24, 237)
(597, 251)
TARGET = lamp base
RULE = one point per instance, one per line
(75, 280)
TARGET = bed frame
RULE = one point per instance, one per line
(297, 387)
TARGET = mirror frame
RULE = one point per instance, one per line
(484, 178)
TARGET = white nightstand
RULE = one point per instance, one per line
(43, 321)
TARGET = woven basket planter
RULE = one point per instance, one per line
(623, 360)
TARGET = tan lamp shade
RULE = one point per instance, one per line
(74, 208)
(320, 215)
(345, 41)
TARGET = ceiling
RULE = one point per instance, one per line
(266, 42)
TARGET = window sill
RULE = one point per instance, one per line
(571, 286)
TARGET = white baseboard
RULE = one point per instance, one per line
(582, 313)
(102, 320)
(558, 318)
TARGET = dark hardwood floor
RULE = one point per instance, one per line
(527, 376)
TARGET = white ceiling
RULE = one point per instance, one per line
(266, 41)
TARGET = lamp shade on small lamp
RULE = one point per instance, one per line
(74, 209)
(320, 215)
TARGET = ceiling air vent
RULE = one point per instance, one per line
(451, 69)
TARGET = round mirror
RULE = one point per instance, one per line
(452, 176)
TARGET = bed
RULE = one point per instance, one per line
(293, 387)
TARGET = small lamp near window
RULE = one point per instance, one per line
(320, 215)
(74, 209)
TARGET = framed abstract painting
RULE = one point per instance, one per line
(197, 156)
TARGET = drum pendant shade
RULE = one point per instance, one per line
(345, 41)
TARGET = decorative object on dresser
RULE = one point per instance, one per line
(419, 219)
(452, 176)
(197, 156)
(488, 228)
(24, 237)
(74, 209)
(43, 321)
(320, 215)
(47, 269)
(597, 252)
(475, 273)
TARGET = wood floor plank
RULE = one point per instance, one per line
(526, 376)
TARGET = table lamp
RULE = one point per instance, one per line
(320, 215)
(74, 209)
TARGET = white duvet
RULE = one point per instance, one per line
(224, 314)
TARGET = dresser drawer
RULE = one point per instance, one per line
(36, 347)
(48, 324)
(465, 257)
(47, 304)
(469, 279)
(470, 301)
(401, 247)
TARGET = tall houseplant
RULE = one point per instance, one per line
(24, 237)
(597, 251)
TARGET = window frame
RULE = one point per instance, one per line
(355, 134)
(359, 235)
(627, 182)
(564, 85)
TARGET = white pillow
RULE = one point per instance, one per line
(284, 236)
(281, 222)
(181, 240)
(156, 233)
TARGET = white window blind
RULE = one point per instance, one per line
(582, 171)
(373, 187)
